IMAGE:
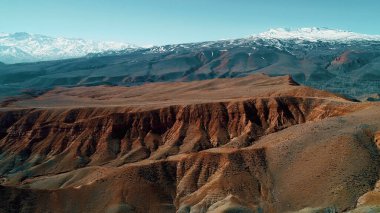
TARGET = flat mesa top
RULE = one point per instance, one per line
(154, 95)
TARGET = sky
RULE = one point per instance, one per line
(158, 22)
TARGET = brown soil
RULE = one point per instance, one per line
(253, 144)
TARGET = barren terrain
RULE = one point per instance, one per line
(251, 144)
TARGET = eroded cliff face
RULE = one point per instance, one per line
(277, 152)
(44, 141)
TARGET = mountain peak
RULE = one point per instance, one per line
(314, 34)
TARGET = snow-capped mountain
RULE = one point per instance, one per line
(314, 34)
(280, 38)
(25, 47)
(333, 60)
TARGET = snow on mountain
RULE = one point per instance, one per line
(25, 47)
(280, 38)
(314, 34)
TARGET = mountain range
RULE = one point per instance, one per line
(24, 47)
(342, 62)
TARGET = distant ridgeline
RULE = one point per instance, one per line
(337, 61)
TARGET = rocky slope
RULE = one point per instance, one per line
(266, 145)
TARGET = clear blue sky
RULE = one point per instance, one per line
(145, 22)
